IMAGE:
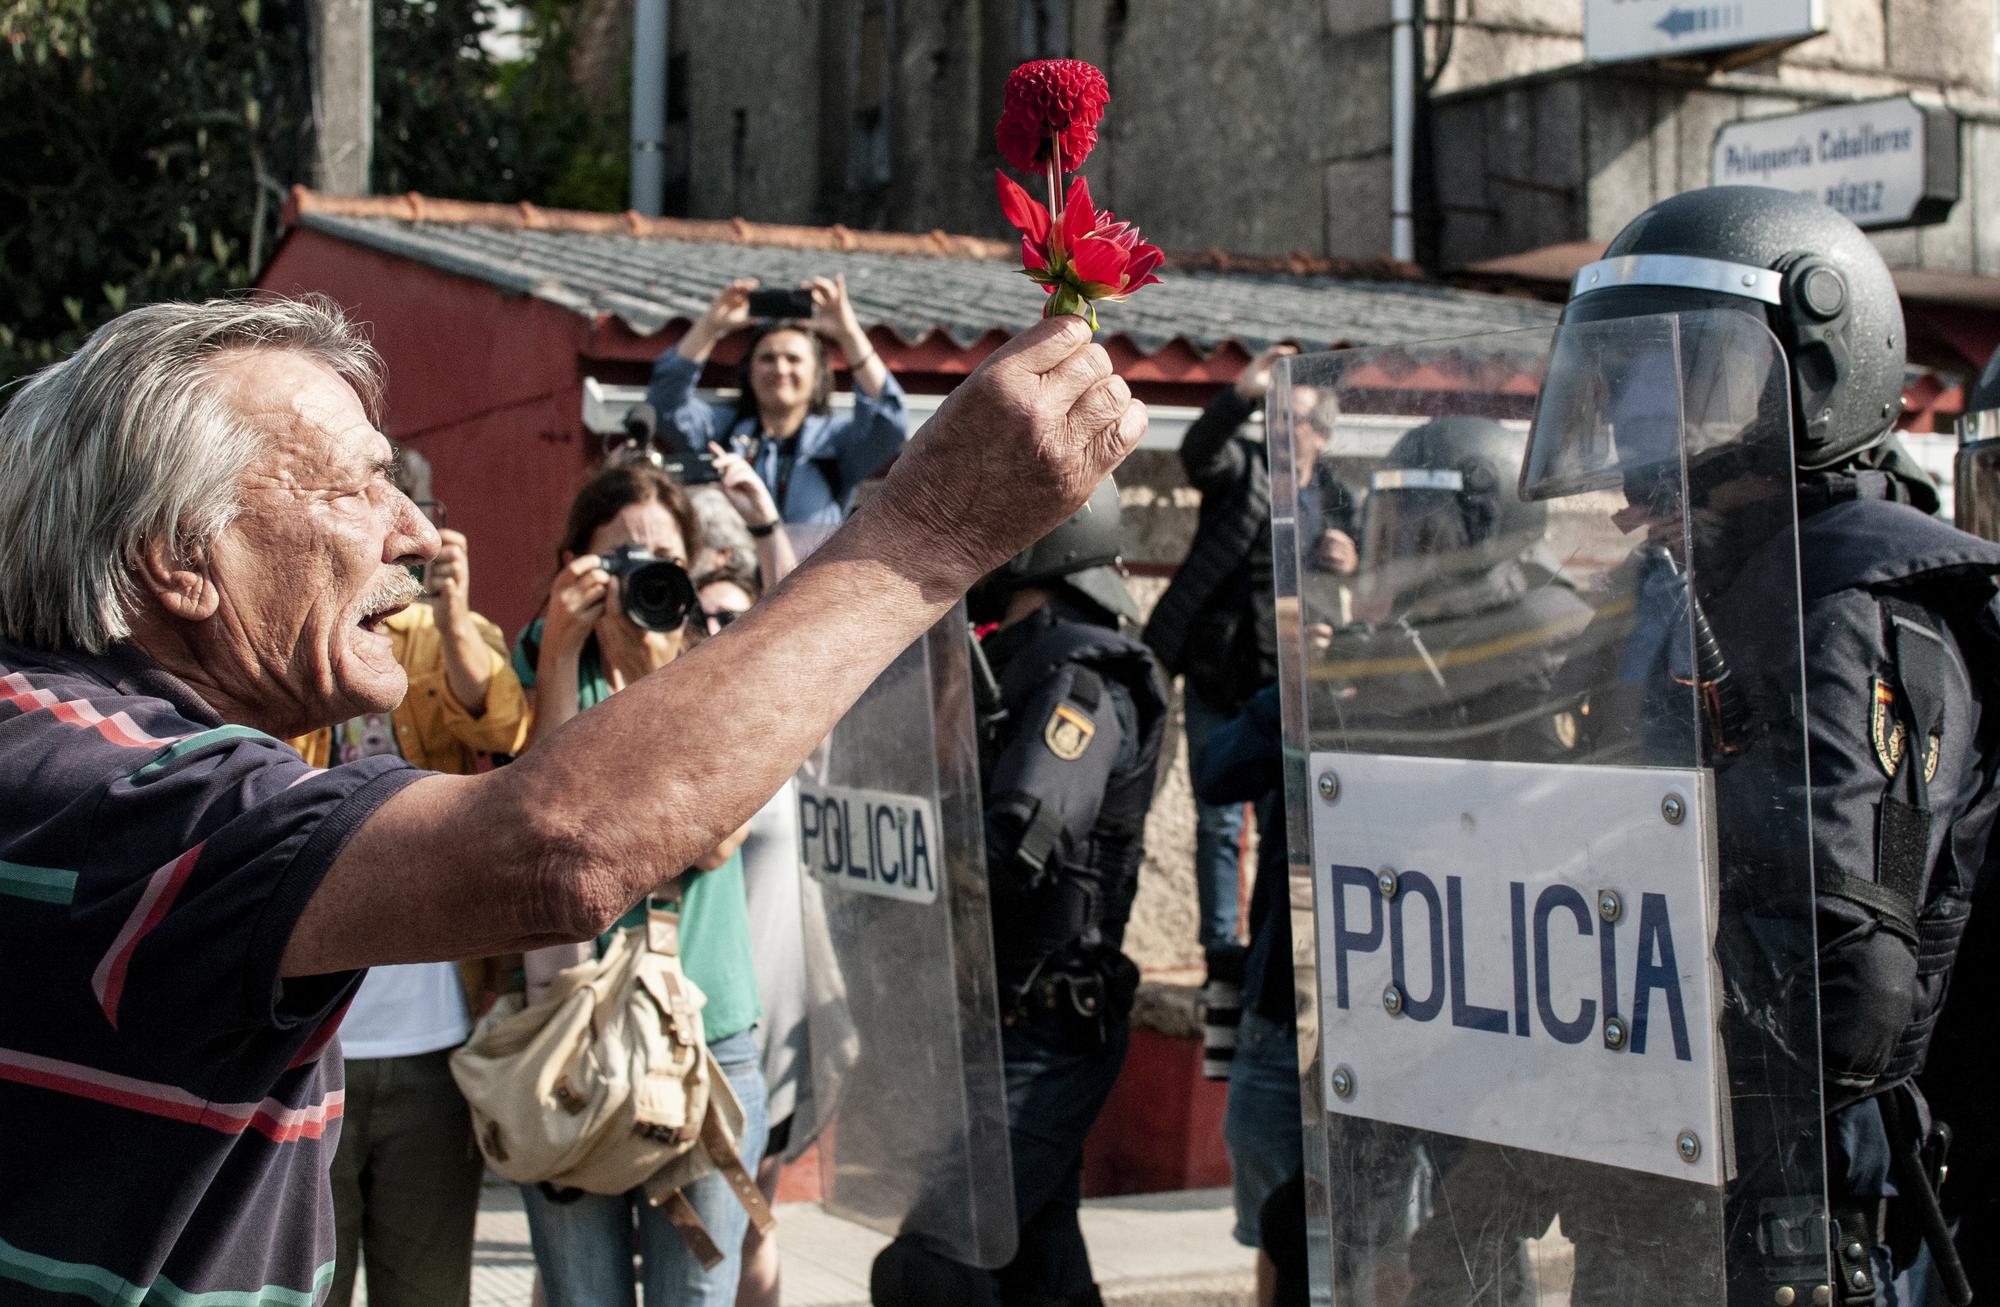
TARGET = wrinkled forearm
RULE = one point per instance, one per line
(558, 845)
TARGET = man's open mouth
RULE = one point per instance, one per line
(372, 622)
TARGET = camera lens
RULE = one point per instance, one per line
(658, 596)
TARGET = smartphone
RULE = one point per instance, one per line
(794, 303)
(697, 469)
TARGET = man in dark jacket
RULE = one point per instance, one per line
(1214, 624)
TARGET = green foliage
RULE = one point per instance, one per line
(150, 144)
(136, 136)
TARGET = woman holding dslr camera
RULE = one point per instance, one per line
(783, 421)
(582, 652)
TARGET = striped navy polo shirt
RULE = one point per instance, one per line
(168, 1105)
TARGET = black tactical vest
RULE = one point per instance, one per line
(1087, 901)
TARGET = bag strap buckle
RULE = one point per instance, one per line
(663, 926)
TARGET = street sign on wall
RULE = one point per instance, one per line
(1882, 163)
(1619, 30)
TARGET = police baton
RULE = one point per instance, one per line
(985, 688)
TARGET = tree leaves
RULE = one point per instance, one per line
(149, 146)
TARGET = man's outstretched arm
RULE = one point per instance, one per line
(558, 845)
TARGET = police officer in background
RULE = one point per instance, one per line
(1456, 577)
(1964, 1064)
(1073, 713)
(1900, 626)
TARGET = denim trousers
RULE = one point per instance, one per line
(1262, 1123)
(584, 1248)
(1218, 831)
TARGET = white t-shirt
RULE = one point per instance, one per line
(405, 1010)
(777, 942)
(401, 1011)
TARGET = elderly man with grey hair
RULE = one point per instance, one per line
(202, 543)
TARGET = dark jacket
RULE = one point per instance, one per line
(1067, 783)
(1215, 623)
(1243, 762)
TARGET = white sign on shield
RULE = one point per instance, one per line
(1520, 953)
(1617, 30)
(870, 841)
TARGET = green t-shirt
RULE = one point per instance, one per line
(715, 921)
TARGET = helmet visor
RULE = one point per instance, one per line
(1413, 529)
(1625, 399)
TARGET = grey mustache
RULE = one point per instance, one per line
(393, 591)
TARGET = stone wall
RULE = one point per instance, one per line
(1533, 149)
(1871, 47)
(753, 105)
(1262, 126)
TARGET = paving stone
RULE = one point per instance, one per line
(1149, 1250)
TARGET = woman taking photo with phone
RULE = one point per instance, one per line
(782, 421)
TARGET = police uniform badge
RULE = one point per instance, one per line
(1891, 733)
(1068, 733)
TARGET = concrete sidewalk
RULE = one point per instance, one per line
(1150, 1250)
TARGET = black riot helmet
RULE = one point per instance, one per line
(1446, 502)
(1465, 471)
(1080, 556)
(1815, 279)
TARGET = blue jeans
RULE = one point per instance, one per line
(1218, 832)
(584, 1248)
(1262, 1123)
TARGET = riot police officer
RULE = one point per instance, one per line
(1454, 569)
(1964, 1062)
(1898, 612)
(1073, 718)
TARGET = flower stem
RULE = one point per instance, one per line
(1055, 178)
(1066, 300)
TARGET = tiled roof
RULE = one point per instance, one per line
(911, 285)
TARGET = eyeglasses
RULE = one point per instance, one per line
(717, 618)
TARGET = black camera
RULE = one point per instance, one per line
(658, 594)
(638, 440)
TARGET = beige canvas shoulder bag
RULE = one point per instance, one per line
(606, 1084)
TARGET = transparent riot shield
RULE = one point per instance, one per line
(892, 848)
(1547, 800)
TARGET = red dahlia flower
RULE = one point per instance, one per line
(1050, 114)
(1080, 254)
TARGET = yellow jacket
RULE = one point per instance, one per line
(433, 730)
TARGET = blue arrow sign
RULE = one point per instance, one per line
(1679, 22)
(1616, 30)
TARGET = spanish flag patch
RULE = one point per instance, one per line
(1891, 733)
